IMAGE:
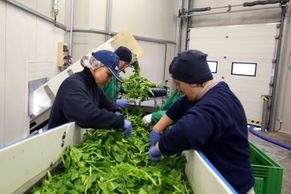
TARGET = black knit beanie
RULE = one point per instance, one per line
(191, 67)
(124, 54)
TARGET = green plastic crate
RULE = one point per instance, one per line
(259, 185)
(268, 174)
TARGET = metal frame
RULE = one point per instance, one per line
(280, 75)
(274, 90)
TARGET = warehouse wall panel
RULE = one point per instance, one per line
(97, 10)
(29, 3)
(150, 18)
(84, 43)
(23, 37)
(81, 14)
(146, 18)
(152, 64)
(2, 69)
(47, 38)
(45, 7)
(286, 125)
(90, 14)
(20, 42)
(62, 11)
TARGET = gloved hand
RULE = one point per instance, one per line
(127, 128)
(122, 102)
(154, 137)
(147, 120)
(118, 113)
(154, 154)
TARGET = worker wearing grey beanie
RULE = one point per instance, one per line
(209, 118)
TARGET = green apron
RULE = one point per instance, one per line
(156, 116)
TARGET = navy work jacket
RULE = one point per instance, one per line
(216, 124)
(80, 100)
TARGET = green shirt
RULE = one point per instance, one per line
(156, 116)
(112, 88)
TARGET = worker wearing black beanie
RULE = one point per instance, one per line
(209, 118)
(124, 54)
(112, 88)
(191, 67)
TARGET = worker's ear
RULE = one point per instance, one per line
(85, 61)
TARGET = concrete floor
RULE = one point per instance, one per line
(280, 155)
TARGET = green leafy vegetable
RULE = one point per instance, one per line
(137, 86)
(108, 162)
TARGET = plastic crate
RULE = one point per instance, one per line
(259, 185)
(268, 174)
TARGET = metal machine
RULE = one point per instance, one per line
(25, 163)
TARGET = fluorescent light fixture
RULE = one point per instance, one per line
(244, 69)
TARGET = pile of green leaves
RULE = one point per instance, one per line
(108, 162)
(136, 86)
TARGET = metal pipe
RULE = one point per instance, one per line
(94, 31)
(197, 9)
(178, 36)
(260, 2)
(35, 13)
(178, 27)
(233, 11)
(202, 9)
(190, 4)
(108, 19)
(56, 9)
(71, 28)
(165, 62)
(190, 10)
(141, 38)
(226, 6)
(159, 41)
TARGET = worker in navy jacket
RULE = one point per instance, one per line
(81, 99)
(209, 118)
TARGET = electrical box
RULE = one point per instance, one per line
(63, 51)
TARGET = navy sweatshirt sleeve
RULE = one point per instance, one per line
(192, 130)
(178, 109)
(107, 103)
(80, 108)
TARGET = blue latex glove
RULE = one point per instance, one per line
(122, 102)
(154, 137)
(154, 154)
(118, 113)
(127, 128)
